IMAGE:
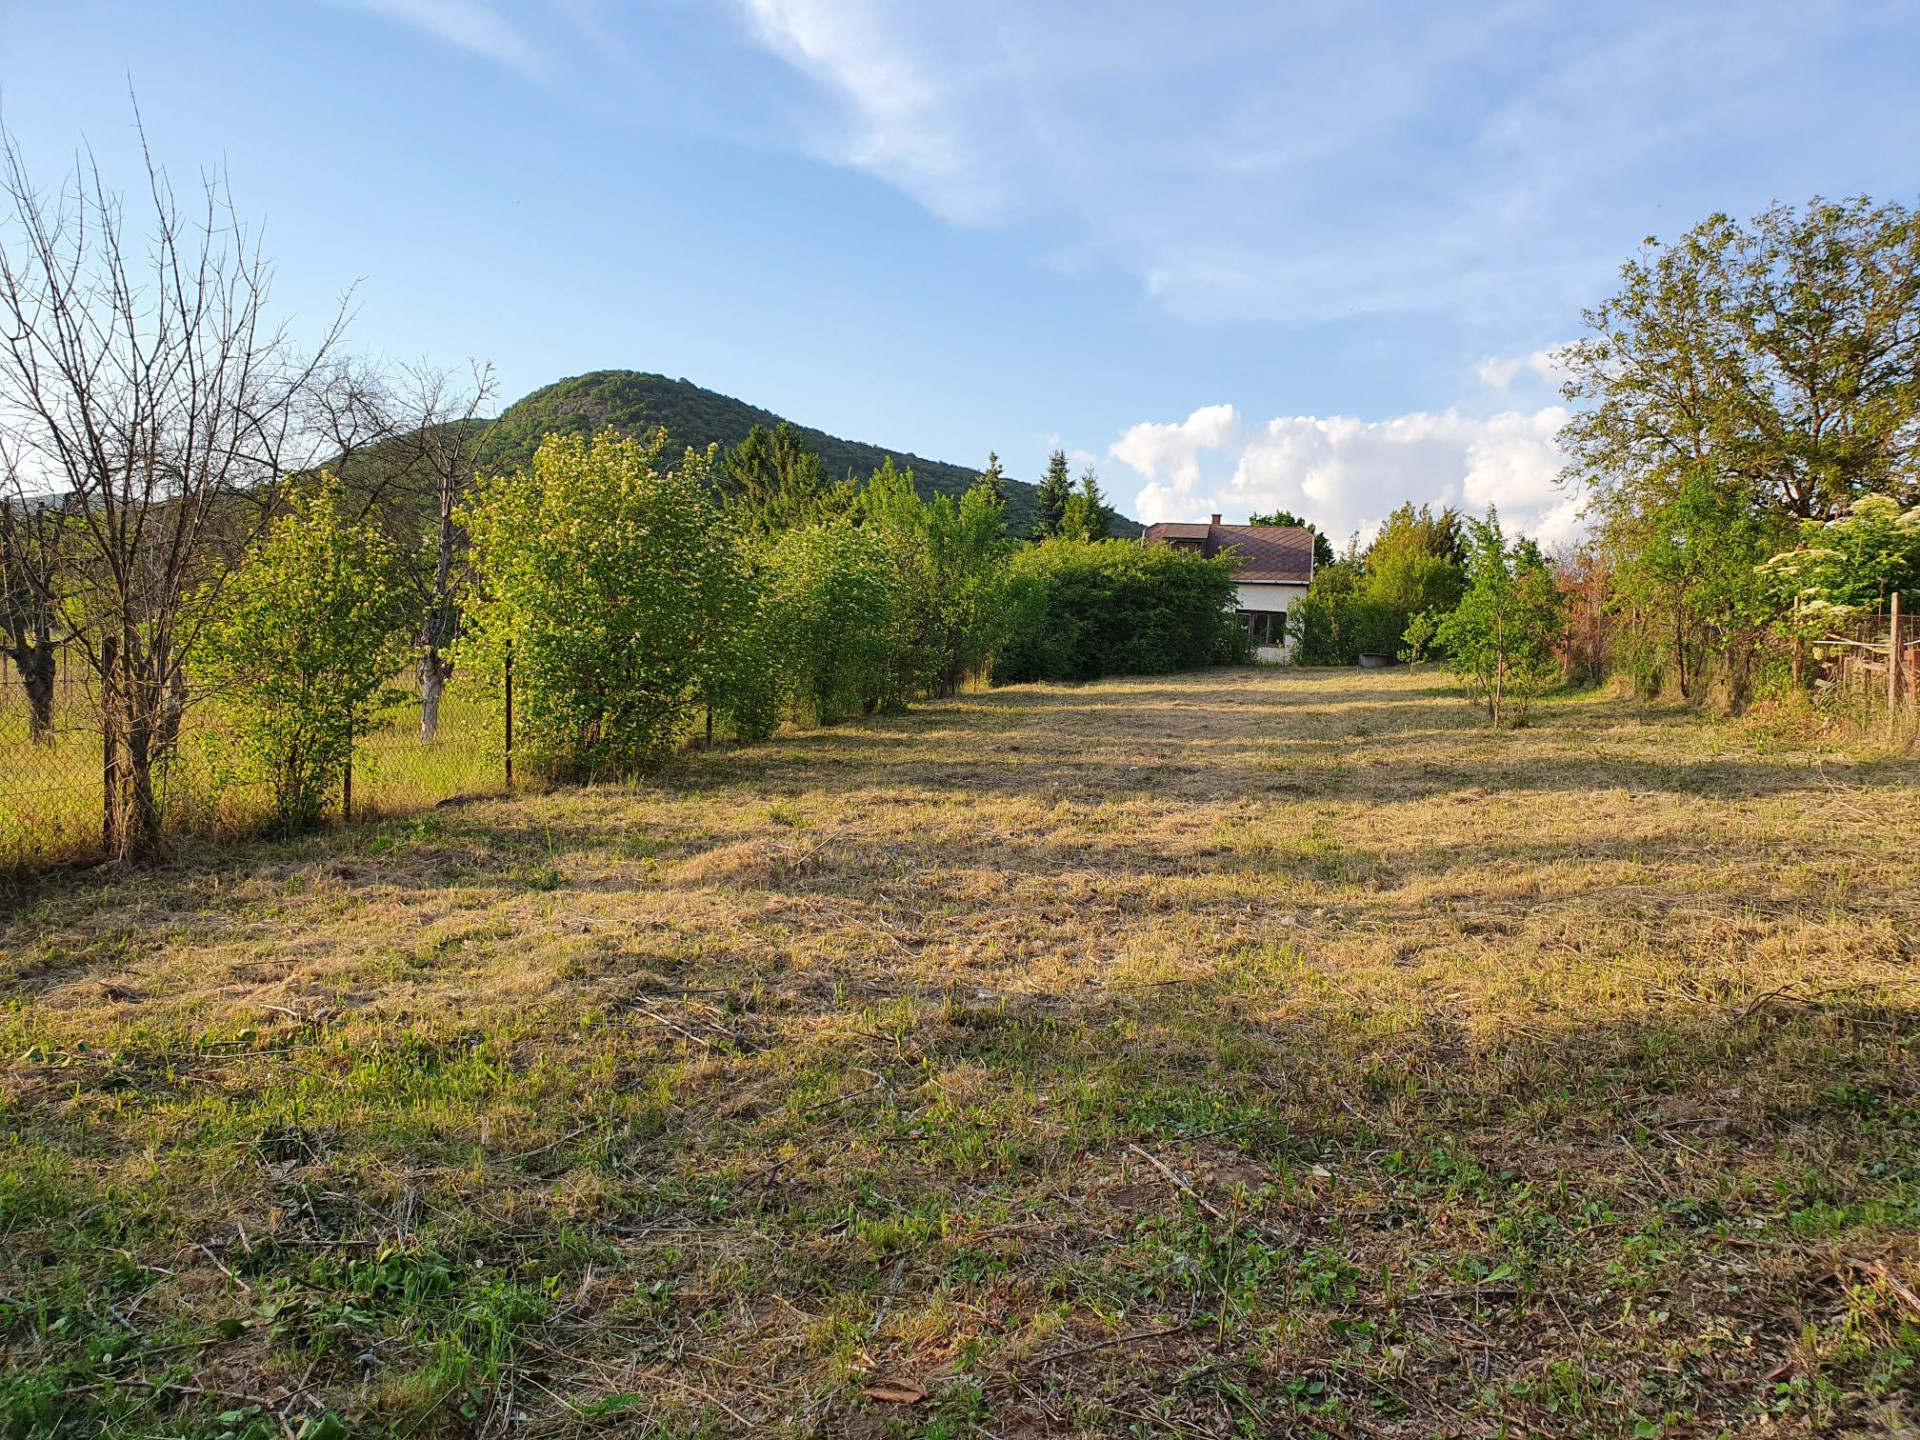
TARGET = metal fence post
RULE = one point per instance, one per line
(109, 750)
(509, 680)
(346, 782)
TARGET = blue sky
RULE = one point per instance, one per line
(1239, 255)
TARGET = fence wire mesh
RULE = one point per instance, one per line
(52, 775)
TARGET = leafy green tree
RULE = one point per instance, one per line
(1693, 583)
(1080, 610)
(834, 610)
(1051, 497)
(302, 643)
(773, 481)
(1744, 379)
(1363, 602)
(1503, 638)
(1414, 562)
(1322, 547)
(1087, 516)
(1417, 640)
(1782, 356)
(615, 585)
(949, 560)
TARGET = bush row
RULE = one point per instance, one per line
(630, 604)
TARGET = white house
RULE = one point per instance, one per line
(1276, 568)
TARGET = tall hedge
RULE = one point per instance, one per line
(832, 608)
(1080, 609)
(615, 585)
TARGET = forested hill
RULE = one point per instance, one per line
(633, 403)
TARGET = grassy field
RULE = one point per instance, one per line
(1251, 1053)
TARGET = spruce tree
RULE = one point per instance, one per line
(1050, 498)
(994, 477)
(1099, 522)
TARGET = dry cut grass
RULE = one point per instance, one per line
(1255, 1053)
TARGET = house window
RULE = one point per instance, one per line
(1267, 627)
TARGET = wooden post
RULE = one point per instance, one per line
(1893, 667)
(509, 678)
(709, 727)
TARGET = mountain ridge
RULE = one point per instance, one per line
(635, 401)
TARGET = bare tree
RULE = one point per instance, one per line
(406, 442)
(140, 375)
(435, 457)
(31, 527)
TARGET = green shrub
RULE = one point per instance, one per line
(304, 637)
(1847, 566)
(618, 591)
(1362, 604)
(831, 617)
(1337, 629)
(1078, 610)
(1504, 637)
(950, 559)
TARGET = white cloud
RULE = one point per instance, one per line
(1484, 160)
(1173, 451)
(1310, 163)
(465, 23)
(1346, 474)
(900, 104)
(1498, 372)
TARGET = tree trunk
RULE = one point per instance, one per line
(434, 673)
(1680, 651)
(173, 710)
(1740, 676)
(140, 804)
(132, 704)
(37, 663)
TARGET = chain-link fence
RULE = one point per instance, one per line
(52, 767)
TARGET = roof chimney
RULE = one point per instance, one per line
(1214, 521)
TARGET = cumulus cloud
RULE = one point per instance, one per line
(1345, 474)
(1173, 451)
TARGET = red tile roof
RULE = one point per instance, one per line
(1275, 554)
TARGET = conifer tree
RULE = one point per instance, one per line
(1055, 489)
(1087, 515)
(994, 477)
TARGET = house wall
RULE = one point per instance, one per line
(1265, 595)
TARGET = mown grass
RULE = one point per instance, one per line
(1253, 1053)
